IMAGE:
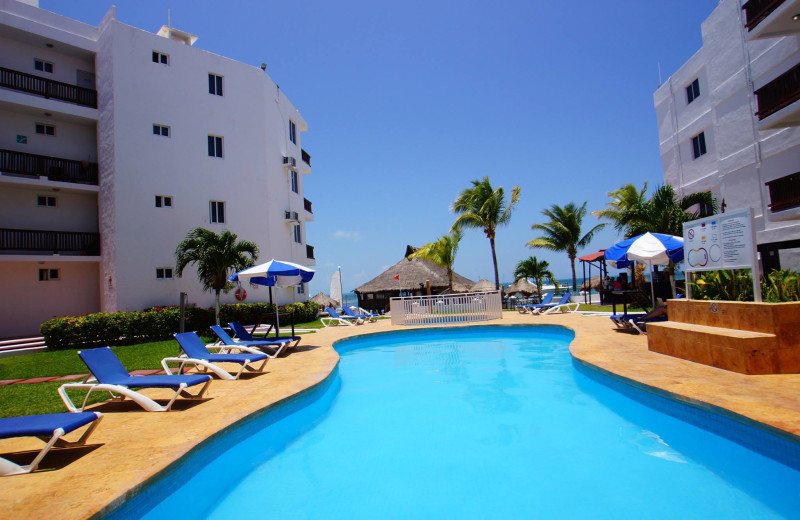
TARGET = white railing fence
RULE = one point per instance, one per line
(447, 308)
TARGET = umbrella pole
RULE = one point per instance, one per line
(652, 290)
(277, 327)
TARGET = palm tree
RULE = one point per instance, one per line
(483, 207)
(624, 202)
(216, 257)
(536, 269)
(563, 232)
(442, 253)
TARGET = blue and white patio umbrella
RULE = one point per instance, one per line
(650, 248)
(274, 273)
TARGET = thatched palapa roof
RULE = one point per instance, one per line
(410, 274)
(483, 285)
(323, 300)
(522, 285)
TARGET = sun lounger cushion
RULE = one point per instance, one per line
(44, 425)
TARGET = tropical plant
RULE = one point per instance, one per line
(624, 201)
(483, 207)
(442, 253)
(538, 270)
(781, 286)
(563, 232)
(216, 257)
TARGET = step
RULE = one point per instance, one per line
(708, 329)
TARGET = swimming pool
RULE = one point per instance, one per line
(479, 422)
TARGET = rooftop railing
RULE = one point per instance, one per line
(779, 93)
(48, 88)
(758, 10)
(444, 309)
(57, 242)
(56, 169)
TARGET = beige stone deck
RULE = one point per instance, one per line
(131, 445)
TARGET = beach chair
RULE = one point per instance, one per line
(529, 307)
(265, 346)
(639, 323)
(335, 319)
(50, 428)
(108, 375)
(368, 317)
(621, 320)
(243, 335)
(199, 356)
(563, 305)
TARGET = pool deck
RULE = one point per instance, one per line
(131, 446)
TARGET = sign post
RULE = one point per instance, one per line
(724, 241)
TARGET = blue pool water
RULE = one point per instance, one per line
(490, 422)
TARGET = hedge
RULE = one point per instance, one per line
(159, 323)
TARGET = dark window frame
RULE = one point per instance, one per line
(41, 65)
(699, 145)
(215, 85)
(216, 211)
(160, 57)
(215, 146)
(693, 91)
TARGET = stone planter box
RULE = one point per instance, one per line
(744, 337)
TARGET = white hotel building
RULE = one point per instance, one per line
(729, 120)
(114, 143)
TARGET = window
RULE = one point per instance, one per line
(163, 273)
(693, 91)
(46, 275)
(784, 193)
(42, 66)
(161, 130)
(159, 57)
(163, 201)
(297, 234)
(292, 132)
(214, 146)
(43, 129)
(301, 289)
(217, 212)
(215, 84)
(294, 181)
(699, 144)
(45, 201)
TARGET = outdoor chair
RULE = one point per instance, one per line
(199, 356)
(109, 375)
(529, 307)
(243, 336)
(563, 305)
(335, 319)
(50, 428)
(368, 317)
(271, 348)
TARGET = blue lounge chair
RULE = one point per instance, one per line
(243, 335)
(108, 375)
(563, 305)
(335, 319)
(531, 306)
(50, 428)
(198, 355)
(366, 317)
(621, 320)
(265, 346)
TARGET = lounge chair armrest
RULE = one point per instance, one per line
(222, 374)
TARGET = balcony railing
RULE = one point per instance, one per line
(306, 158)
(784, 193)
(309, 251)
(779, 93)
(48, 88)
(50, 241)
(758, 10)
(307, 205)
(65, 170)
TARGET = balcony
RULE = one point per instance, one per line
(54, 242)
(784, 193)
(47, 88)
(63, 170)
(306, 158)
(771, 18)
(779, 94)
(309, 252)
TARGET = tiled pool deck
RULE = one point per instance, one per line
(131, 446)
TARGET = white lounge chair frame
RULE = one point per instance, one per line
(10, 468)
(224, 348)
(565, 307)
(119, 393)
(328, 322)
(206, 366)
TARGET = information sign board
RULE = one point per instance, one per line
(724, 241)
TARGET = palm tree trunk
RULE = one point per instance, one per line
(494, 259)
(574, 277)
(216, 306)
(450, 278)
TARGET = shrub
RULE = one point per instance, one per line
(157, 323)
(777, 286)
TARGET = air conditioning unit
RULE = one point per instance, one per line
(292, 216)
(290, 161)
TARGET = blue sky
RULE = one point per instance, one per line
(407, 102)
